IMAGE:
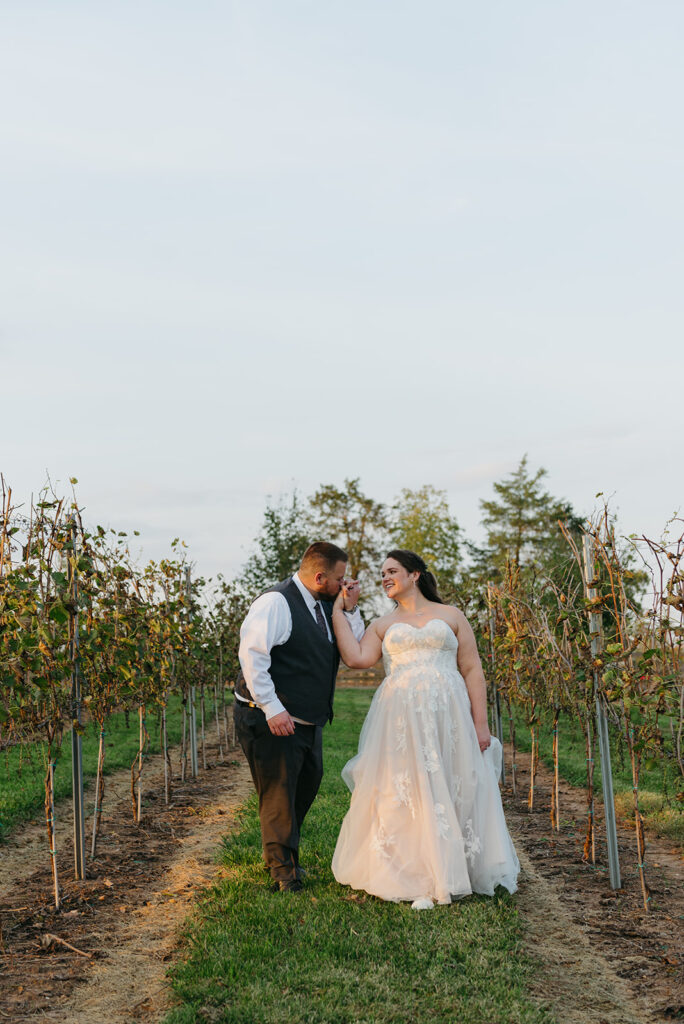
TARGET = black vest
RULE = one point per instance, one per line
(304, 668)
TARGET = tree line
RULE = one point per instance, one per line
(521, 525)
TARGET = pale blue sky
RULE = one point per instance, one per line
(249, 245)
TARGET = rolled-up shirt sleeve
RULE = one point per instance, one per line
(356, 622)
(268, 624)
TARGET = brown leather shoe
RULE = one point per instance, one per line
(287, 885)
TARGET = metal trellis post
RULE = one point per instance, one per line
(191, 710)
(497, 700)
(596, 633)
(76, 746)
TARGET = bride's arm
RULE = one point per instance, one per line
(470, 667)
(354, 654)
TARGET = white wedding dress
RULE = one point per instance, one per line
(425, 819)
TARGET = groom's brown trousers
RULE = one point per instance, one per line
(287, 773)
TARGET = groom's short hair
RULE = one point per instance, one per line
(322, 557)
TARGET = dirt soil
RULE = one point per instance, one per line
(126, 917)
(601, 959)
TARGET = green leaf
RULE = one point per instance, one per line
(58, 613)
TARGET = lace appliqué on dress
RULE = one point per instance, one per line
(402, 789)
(380, 841)
(401, 734)
(431, 758)
(429, 699)
(443, 826)
(471, 843)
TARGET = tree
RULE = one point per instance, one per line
(229, 607)
(279, 546)
(420, 521)
(346, 516)
(522, 525)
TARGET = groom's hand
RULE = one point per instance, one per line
(350, 593)
(282, 724)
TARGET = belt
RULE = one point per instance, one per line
(251, 704)
(247, 703)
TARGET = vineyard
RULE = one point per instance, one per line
(583, 650)
(88, 634)
(580, 648)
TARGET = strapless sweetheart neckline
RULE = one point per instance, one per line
(418, 628)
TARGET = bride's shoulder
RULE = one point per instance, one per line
(453, 615)
(461, 626)
(381, 625)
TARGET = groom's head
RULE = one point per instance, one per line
(322, 569)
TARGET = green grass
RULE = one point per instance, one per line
(658, 784)
(22, 769)
(328, 956)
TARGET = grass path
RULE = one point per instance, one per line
(331, 956)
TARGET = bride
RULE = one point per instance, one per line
(425, 822)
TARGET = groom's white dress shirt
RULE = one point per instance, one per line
(268, 624)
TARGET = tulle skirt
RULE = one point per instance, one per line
(425, 818)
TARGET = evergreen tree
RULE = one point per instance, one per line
(522, 525)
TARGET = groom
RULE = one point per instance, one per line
(284, 696)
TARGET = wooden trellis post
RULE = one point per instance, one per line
(50, 820)
(596, 633)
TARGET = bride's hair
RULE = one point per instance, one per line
(427, 584)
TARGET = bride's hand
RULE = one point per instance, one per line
(484, 737)
(350, 592)
(339, 600)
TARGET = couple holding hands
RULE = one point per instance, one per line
(425, 822)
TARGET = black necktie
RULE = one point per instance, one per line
(320, 621)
